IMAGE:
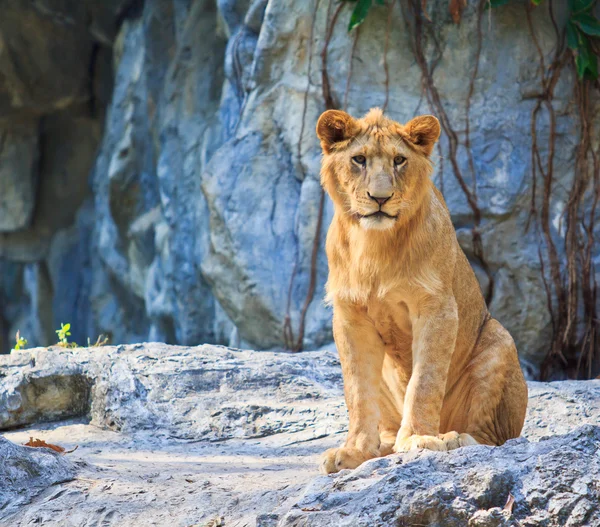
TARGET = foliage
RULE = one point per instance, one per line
(65, 331)
(20, 342)
(360, 12)
(570, 287)
(581, 25)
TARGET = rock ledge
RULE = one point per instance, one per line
(179, 436)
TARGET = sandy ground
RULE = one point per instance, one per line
(144, 480)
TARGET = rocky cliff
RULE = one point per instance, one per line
(159, 168)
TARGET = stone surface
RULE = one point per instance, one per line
(185, 436)
(201, 219)
(18, 171)
(244, 394)
(25, 472)
(56, 80)
(553, 482)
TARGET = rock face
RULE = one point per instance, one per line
(201, 220)
(25, 472)
(550, 482)
(243, 394)
(55, 83)
(186, 436)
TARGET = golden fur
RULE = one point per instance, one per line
(424, 363)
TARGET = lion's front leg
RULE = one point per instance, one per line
(361, 354)
(434, 338)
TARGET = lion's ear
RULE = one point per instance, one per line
(335, 126)
(423, 131)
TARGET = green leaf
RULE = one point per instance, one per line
(586, 61)
(497, 3)
(588, 24)
(592, 69)
(359, 14)
(380, 2)
(581, 65)
(572, 36)
(536, 2)
(579, 6)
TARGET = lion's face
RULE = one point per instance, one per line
(375, 169)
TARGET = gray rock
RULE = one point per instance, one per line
(18, 171)
(177, 435)
(67, 147)
(243, 394)
(552, 483)
(25, 472)
(37, 77)
(55, 81)
(205, 183)
(137, 386)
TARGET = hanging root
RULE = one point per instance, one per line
(571, 289)
(288, 334)
(433, 97)
(388, 27)
(351, 61)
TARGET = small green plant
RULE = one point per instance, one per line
(20, 342)
(63, 333)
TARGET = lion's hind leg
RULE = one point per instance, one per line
(497, 388)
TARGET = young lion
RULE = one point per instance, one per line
(424, 363)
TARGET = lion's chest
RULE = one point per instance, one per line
(392, 321)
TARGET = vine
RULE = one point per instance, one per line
(290, 343)
(419, 29)
(571, 288)
(288, 332)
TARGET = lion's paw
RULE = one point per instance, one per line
(336, 459)
(415, 441)
(454, 440)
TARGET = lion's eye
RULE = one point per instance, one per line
(359, 160)
(399, 160)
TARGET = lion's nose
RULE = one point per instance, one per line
(380, 199)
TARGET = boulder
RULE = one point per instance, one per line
(172, 434)
(141, 387)
(25, 472)
(551, 482)
(18, 173)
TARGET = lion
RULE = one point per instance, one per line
(424, 364)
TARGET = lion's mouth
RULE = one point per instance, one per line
(378, 215)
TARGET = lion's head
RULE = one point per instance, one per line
(374, 169)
